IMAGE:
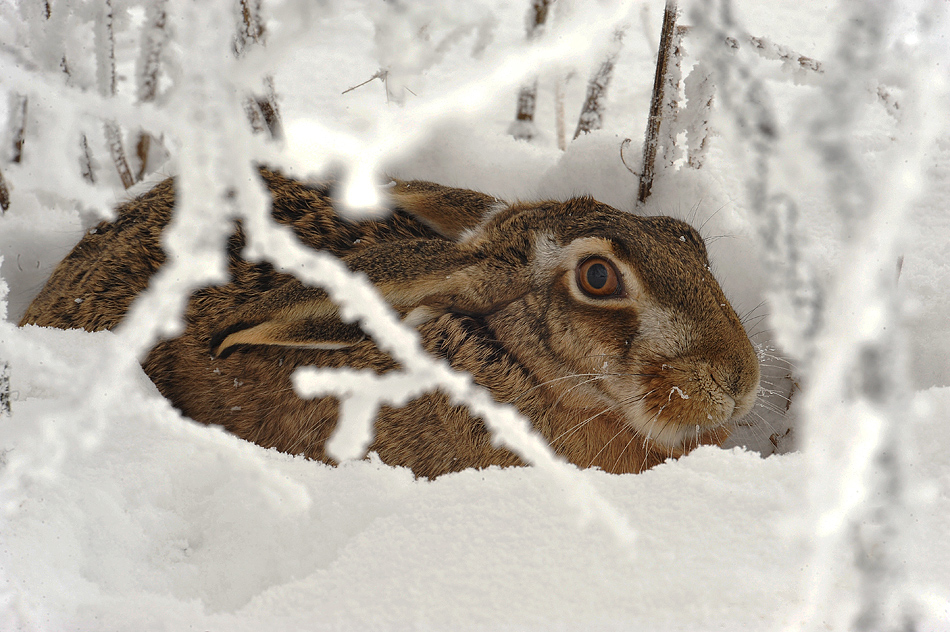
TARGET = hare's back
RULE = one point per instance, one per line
(94, 285)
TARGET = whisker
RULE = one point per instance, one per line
(553, 381)
(565, 393)
(621, 404)
(627, 445)
(594, 458)
(712, 215)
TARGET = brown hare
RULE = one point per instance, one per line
(606, 329)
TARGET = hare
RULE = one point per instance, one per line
(606, 329)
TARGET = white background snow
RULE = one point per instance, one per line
(119, 514)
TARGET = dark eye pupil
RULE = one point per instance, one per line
(597, 275)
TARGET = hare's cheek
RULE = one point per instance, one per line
(598, 336)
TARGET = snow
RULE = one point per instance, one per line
(228, 536)
(117, 513)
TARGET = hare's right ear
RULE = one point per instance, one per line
(449, 212)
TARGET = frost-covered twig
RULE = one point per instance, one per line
(670, 109)
(17, 131)
(105, 50)
(744, 98)
(4, 194)
(592, 113)
(847, 331)
(267, 104)
(700, 91)
(154, 39)
(803, 68)
(106, 81)
(250, 28)
(362, 393)
(656, 102)
(523, 127)
(148, 70)
(5, 408)
(770, 50)
(17, 127)
(261, 109)
(560, 131)
(117, 151)
(87, 166)
(887, 99)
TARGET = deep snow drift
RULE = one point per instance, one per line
(118, 514)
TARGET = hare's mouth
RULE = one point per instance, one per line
(681, 436)
(677, 417)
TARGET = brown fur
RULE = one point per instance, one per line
(620, 382)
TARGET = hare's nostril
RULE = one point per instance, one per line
(728, 385)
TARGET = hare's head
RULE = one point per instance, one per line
(614, 312)
(629, 304)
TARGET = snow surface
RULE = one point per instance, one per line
(118, 514)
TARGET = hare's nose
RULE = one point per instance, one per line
(727, 388)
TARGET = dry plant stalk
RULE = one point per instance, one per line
(154, 37)
(592, 113)
(117, 151)
(523, 126)
(86, 165)
(559, 113)
(106, 77)
(85, 162)
(770, 50)
(18, 134)
(253, 26)
(262, 111)
(670, 107)
(268, 108)
(18, 125)
(4, 194)
(5, 409)
(142, 148)
(656, 102)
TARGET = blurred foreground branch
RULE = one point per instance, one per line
(846, 330)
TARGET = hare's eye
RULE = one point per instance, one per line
(598, 278)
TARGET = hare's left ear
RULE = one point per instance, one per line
(449, 212)
(421, 278)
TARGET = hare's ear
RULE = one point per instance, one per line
(449, 212)
(289, 316)
(421, 278)
(300, 333)
(424, 278)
